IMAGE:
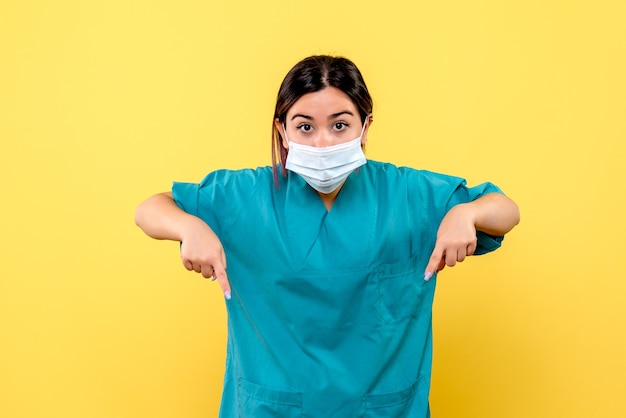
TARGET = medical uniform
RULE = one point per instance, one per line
(330, 315)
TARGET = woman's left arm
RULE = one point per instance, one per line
(494, 214)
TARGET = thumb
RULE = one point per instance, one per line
(219, 274)
(433, 264)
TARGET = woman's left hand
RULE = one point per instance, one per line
(456, 239)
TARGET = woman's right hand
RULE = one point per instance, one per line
(201, 250)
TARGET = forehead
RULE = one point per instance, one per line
(327, 101)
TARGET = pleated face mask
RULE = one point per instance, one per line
(325, 169)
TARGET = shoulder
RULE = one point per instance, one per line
(384, 171)
(222, 194)
(245, 175)
(223, 184)
(233, 181)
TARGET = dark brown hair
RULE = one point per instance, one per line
(308, 76)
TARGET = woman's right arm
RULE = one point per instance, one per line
(201, 250)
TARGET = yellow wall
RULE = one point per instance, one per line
(104, 102)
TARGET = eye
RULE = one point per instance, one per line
(305, 127)
(339, 126)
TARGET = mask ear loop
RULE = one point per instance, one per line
(286, 137)
(285, 132)
(363, 128)
(368, 118)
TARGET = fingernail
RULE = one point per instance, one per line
(213, 278)
(227, 294)
(428, 275)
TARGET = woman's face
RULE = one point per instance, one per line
(321, 119)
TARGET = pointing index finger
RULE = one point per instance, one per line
(433, 263)
(219, 274)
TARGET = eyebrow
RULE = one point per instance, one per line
(333, 116)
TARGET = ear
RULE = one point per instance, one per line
(369, 120)
(281, 130)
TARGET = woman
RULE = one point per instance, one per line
(329, 257)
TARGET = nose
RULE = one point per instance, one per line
(324, 139)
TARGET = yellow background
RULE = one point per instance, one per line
(103, 103)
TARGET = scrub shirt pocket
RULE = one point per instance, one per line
(400, 290)
(256, 401)
(409, 402)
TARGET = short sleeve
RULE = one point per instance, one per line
(464, 194)
(199, 199)
(224, 196)
(446, 191)
(186, 196)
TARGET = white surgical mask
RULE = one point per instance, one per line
(325, 169)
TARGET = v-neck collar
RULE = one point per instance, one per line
(313, 233)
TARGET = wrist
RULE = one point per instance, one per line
(189, 225)
(468, 211)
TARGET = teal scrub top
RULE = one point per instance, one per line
(330, 315)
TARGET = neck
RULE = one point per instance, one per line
(329, 198)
